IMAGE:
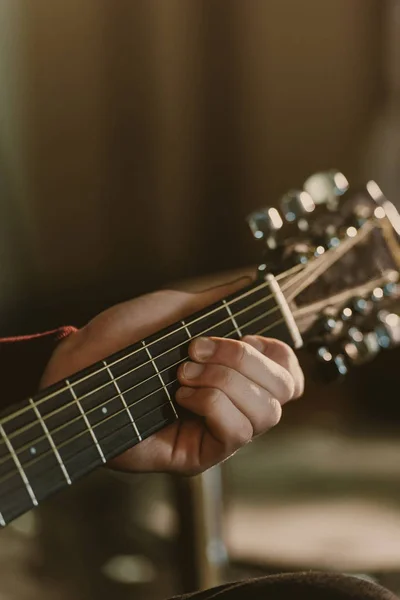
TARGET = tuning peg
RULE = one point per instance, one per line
(388, 330)
(332, 367)
(326, 187)
(361, 347)
(296, 205)
(377, 295)
(329, 326)
(361, 306)
(265, 224)
(391, 289)
(360, 214)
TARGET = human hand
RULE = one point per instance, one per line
(235, 390)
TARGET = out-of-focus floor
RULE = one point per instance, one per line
(309, 498)
(316, 500)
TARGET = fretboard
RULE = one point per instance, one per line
(67, 430)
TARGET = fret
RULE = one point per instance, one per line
(228, 309)
(36, 452)
(68, 429)
(51, 441)
(15, 497)
(170, 351)
(160, 377)
(212, 321)
(19, 466)
(186, 329)
(104, 406)
(156, 420)
(75, 397)
(256, 311)
(139, 384)
(123, 401)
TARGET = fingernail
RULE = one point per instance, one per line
(255, 342)
(192, 370)
(204, 347)
(185, 392)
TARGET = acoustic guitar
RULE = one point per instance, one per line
(328, 279)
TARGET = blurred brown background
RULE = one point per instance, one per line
(135, 136)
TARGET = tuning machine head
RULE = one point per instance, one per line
(265, 225)
(388, 329)
(361, 347)
(333, 367)
(296, 206)
(326, 188)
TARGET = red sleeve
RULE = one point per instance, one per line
(22, 363)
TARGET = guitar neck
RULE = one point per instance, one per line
(74, 426)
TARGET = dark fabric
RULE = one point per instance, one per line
(23, 360)
(296, 586)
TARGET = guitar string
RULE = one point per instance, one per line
(65, 406)
(117, 396)
(146, 433)
(38, 459)
(135, 403)
(320, 267)
(8, 418)
(41, 457)
(92, 392)
(258, 333)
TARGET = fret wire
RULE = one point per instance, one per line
(135, 403)
(100, 451)
(160, 377)
(136, 385)
(51, 441)
(232, 318)
(186, 329)
(203, 316)
(120, 394)
(19, 466)
(145, 433)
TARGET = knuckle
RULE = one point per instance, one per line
(269, 417)
(272, 415)
(244, 433)
(287, 386)
(300, 385)
(212, 398)
(237, 353)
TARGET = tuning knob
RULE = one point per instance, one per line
(377, 295)
(296, 205)
(326, 188)
(265, 225)
(361, 306)
(361, 347)
(332, 367)
(388, 330)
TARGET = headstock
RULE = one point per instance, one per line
(337, 253)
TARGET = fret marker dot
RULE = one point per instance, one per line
(32, 450)
(104, 410)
